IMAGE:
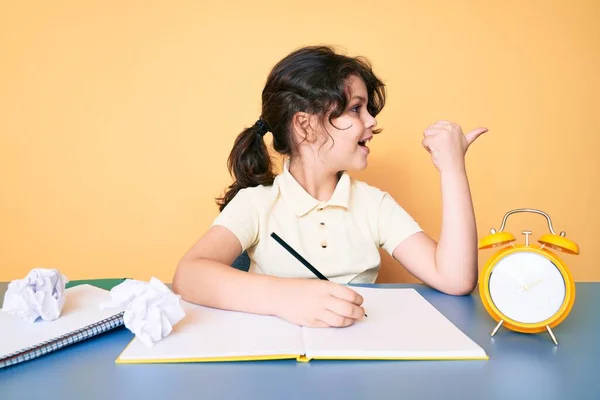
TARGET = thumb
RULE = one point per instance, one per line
(474, 134)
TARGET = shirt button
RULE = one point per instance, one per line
(320, 209)
(321, 223)
(323, 244)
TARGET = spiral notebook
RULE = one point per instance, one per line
(81, 318)
(401, 325)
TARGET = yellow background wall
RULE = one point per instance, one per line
(116, 117)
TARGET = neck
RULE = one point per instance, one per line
(314, 178)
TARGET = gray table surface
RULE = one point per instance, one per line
(520, 367)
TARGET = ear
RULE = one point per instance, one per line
(303, 125)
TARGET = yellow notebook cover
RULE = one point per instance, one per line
(401, 325)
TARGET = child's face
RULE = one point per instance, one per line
(351, 132)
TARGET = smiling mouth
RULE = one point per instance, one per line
(364, 141)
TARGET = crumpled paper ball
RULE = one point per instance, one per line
(40, 294)
(151, 309)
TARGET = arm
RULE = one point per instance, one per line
(204, 276)
(450, 265)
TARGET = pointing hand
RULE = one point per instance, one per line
(448, 145)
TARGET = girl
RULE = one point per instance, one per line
(320, 108)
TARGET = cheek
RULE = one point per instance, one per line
(343, 143)
(348, 136)
(341, 124)
(347, 126)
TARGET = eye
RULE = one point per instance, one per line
(356, 108)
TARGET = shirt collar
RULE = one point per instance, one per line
(302, 202)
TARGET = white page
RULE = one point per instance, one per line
(213, 333)
(400, 324)
(81, 308)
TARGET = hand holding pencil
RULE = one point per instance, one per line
(317, 303)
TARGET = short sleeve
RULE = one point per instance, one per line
(240, 216)
(394, 224)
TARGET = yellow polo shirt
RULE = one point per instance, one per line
(339, 237)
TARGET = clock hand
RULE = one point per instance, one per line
(527, 287)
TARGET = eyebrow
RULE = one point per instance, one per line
(359, 98)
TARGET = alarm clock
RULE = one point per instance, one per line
(527, 288)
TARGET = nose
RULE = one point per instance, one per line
(370, 122)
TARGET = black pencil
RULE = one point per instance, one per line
(299, 257)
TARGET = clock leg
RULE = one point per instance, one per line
(552, 335)
(497, 327)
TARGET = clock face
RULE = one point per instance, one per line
(527, 287)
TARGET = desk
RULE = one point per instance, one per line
(520, 367)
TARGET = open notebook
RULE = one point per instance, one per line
(80, 319)
(401, 325)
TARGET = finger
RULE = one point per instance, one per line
(427, 143)
(345, 293)
(474, 134)
(344, 308)
(316, 323)
(332, 319)
(434, 130)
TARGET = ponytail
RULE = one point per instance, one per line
(249, 162)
